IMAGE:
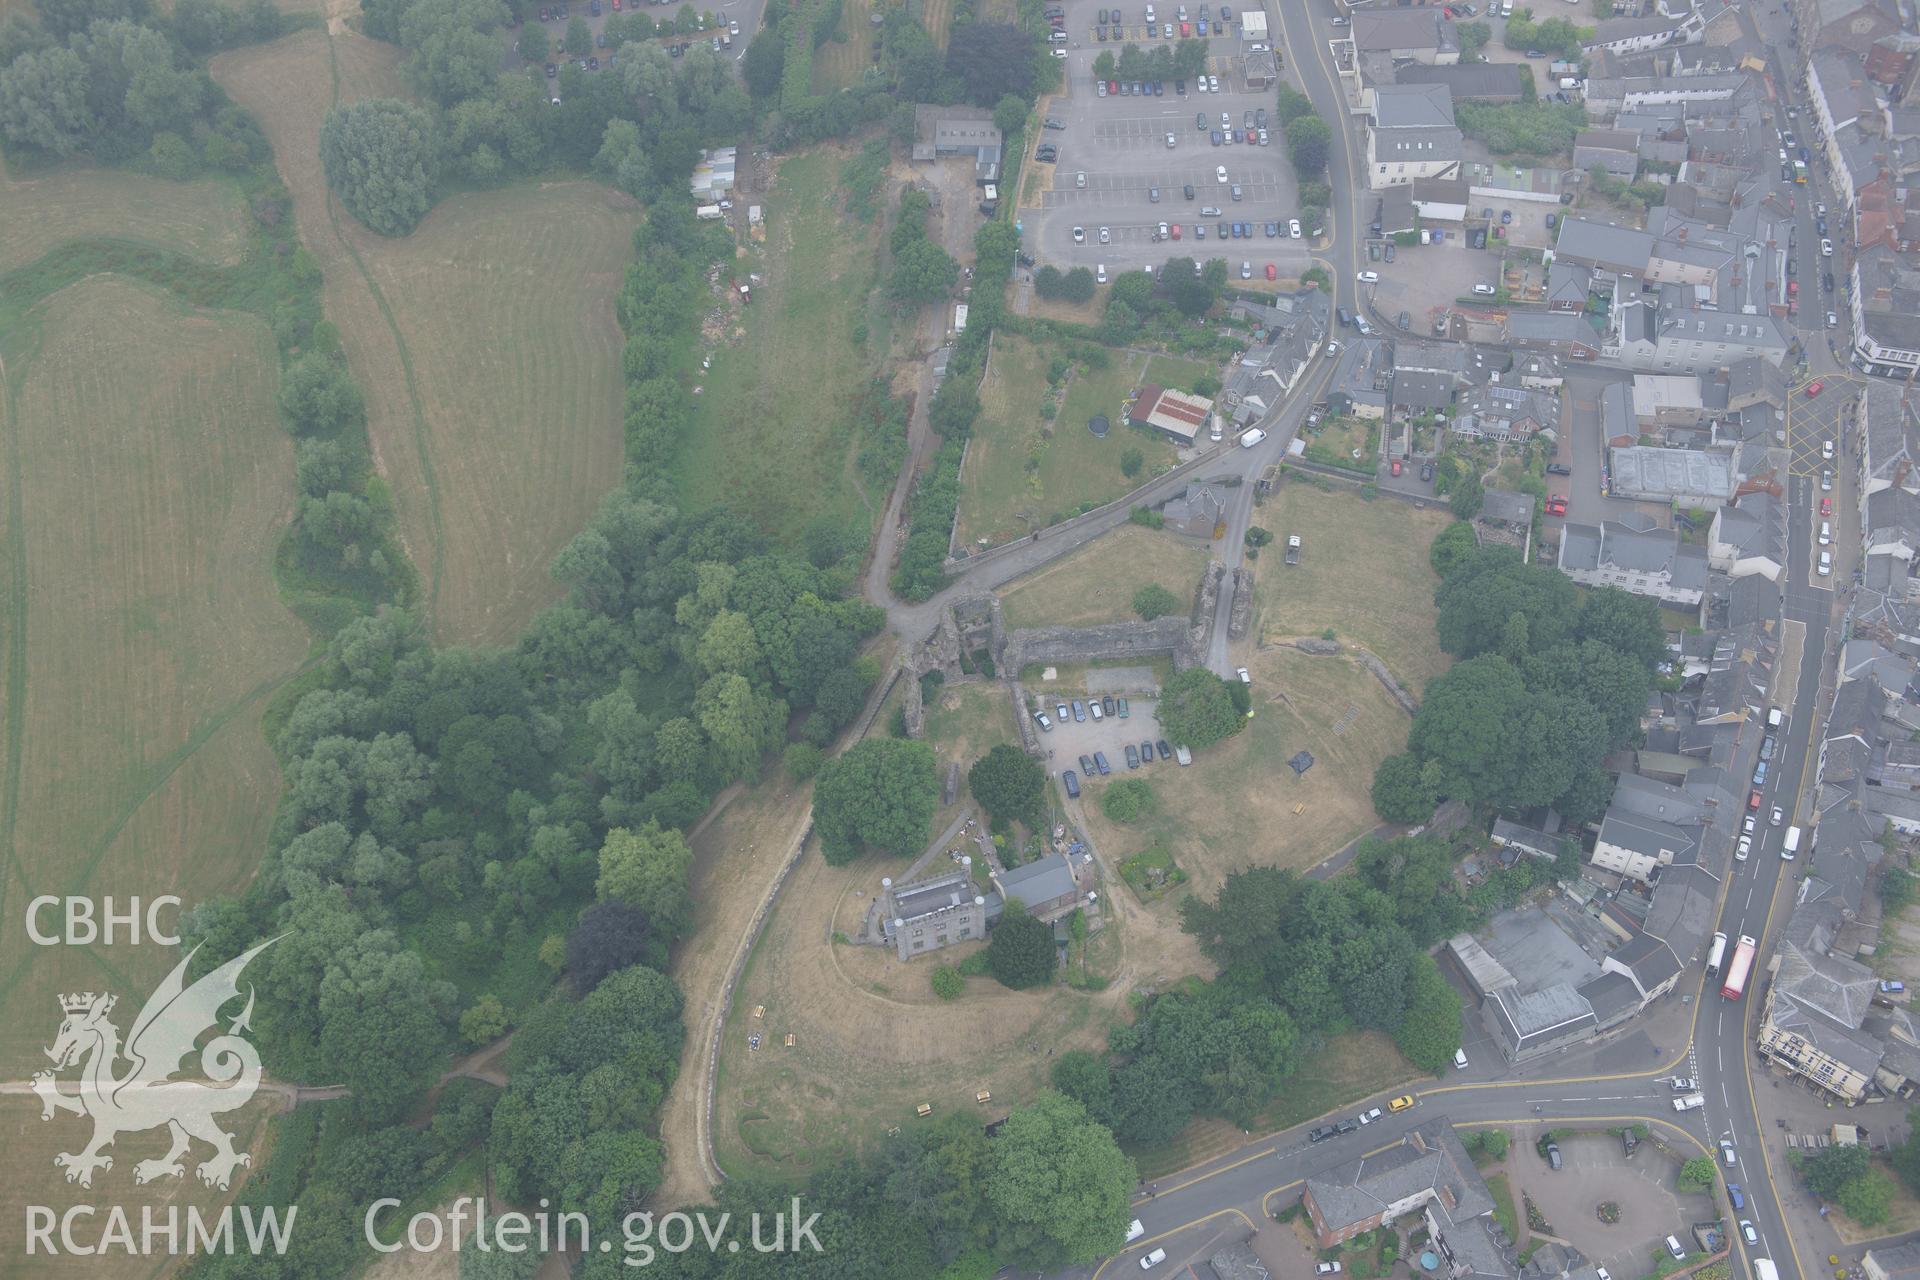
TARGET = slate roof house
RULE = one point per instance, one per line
(1428, 1169)
(1651, 562)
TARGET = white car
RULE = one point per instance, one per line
(1220, 174)
(1264, 139)
(1747, 825)
(1171, 144)
(1293, 227)
(1826, 451)
(1368, 1117)
(1747, 1232)
(1059, 53)
(1106, 236)
(1200, 84)
(1820, 209)
(1777, 817)
(1745, 850)
(1080, 179)
(1826, 564)
(1460, 1059)
(1247, 441)
(1079, 235)
(1326, 1268)
(1245, 678)
(1484, 290)
(1246, 270)
(1826, 480)
(1163, 236)
(1213, 84)
(1368, 277)
(1826, 248)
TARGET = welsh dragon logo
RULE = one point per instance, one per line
(147, 1095)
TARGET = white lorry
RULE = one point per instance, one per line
(1691, 1102)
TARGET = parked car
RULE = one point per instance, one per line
(1040, 718)
(1133, 756)
(1559, 469)
(1166, 752)
(1100, 763)
(1072, 784)
(1086, 765)
(1426, 472)
(1079, 711)
(1106, 703)
(1321, 1133)
(1120, 707)
(1326, 1268)
(1405, 1100)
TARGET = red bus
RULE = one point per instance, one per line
(1738, 969)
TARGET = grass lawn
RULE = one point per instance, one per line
(1363, 573)
(1024, 472)
(772, 438)
(965, 722)
(1171, 371)
(1503, 1211)
(1097, 582)
(1236, 806)
(839, 62)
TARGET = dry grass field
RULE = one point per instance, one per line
(1097, 582)
(73, 202)
(1235, 807)
(1364, 573)
(485, 341)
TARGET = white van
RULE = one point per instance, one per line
(1153, 1259)
(1774, 717)
(1252, 438)
(1459, 1059)
(1674, 1248)
(1792, 845)
(1135, 1231)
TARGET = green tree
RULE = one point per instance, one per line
(1190, 291)
(1465, 497)
(1087, 1080)
(1400, 790)
(647, 868)
(1135, 289)
(1128, 800)
(1308, 142)
(1058, 1185)
(1131, 460)
(1452, 547)
(1010, 113)
(484, 1020)
(993, 60)
(880, 793)
(1008, 785)
(1197, 708)
(1865, 1199)
(1077, 286)
(1021, 953)
(1625, 623)
(534, 43)
(1429, 1031)
(376, 999)
(1473, 37)
(379, 157)
(1831, 1170)
(1155, 601)
(484, 1259)
(43, 101)
(318, 396)
(802, 760)
(922, 272)
(578, 40)
(948, 983)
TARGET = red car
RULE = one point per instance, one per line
(1753, 800)
(1272, 272)
(1826, 507)
(1557, 505)
(1253, 135)
(1175, 229)
(1113, 88)
(1396, 466)
(1185, 31)
(1815, 388)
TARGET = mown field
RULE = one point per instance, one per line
(486, 343)
(144, 482)
(72, 202)
(839, 62)
(147, 482)
(773, 437)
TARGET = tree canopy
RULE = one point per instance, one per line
(1008, 784)
(880, 794)
(379, 155)
(1059, 1185)
(1021, 952)
(1198, 708)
